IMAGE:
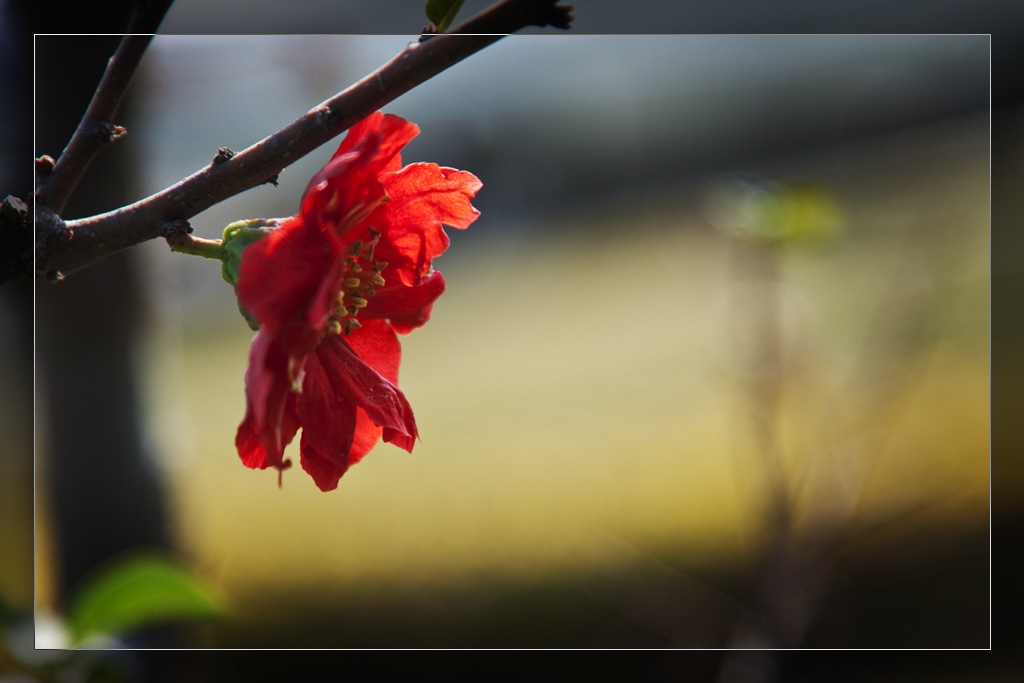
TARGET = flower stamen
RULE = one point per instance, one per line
(360, 277)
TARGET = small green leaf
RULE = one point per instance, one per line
(442, 12)
(139, 591)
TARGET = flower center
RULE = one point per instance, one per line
(360, 274)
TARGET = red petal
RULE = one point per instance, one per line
(423, 197)
(406, 307)
(328, 415)
(378, 347)
(337, 383)
(271, 418)
(281, 281)
(367, 436)
(343, 193)
(326, 470)
(371, 371)
(428, 192)
(394, 131)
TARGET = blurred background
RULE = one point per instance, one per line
(712, 369)
(724, 316)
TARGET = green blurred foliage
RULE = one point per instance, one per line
(775, 213)
(138, 591)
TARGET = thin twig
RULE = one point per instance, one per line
(97, 128)
(97, 236)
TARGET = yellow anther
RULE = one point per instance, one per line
(351, 324)
(377, 280)
(359, 302)
(380, 265)
(333, 326)
(352, 282)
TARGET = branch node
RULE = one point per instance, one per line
(110, 132)
(44, 166)
(272, 180)
(222, 155)
(176, 232)
(51, 235)
(324, 116)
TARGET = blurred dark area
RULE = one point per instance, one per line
(86, 348)
(101, 493)
(81, 337)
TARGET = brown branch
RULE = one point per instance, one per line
(96, 130)
(97, 236)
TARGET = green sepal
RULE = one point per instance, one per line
(237, 237)
(442, 12)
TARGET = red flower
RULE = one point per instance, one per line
(331, 287)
